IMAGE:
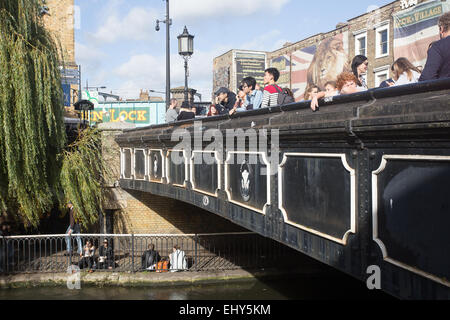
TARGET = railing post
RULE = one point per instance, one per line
(132, 252)
(196, 252)
(71, 248)
(3, 255)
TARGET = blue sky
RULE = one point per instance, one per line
(118, 47)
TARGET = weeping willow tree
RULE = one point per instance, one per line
(37, 171)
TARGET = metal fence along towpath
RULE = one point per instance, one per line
(127, 253)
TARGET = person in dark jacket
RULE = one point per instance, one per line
(150, 258)
(225, 100)
(105, 256)
(438, 61)
(186, 112)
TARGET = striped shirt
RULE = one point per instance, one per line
(270, 96)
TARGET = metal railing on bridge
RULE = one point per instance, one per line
(202, 252)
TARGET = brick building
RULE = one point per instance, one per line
(370, 34)
(60, 22)
(231, 67)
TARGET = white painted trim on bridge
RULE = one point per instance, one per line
(123, 163)
(343, 158)
(268, 171)
(384, 161)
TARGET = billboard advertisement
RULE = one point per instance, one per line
(313, 65)
(140, 113)
(249, 64)
(415, 29)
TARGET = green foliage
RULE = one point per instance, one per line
(34, 167)
(82, 167)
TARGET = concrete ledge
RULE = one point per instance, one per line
(144, 279)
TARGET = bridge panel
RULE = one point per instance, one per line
(156, 165)
(205, 172)
(317, 194)
(247, 180)
(412, 213)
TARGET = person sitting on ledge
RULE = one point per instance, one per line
(105, 256)
(87, 259)
(177, 260)
(150, 258)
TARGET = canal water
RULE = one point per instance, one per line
(299, 287)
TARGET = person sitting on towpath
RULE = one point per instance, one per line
(150, 258)
(177, 260)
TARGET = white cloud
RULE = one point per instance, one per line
(138, 24)
(269, 41)
(146, 71)
(211, 8)
(89, 57)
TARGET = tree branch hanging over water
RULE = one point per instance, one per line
(35, 169)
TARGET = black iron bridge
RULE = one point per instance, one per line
(364, 183)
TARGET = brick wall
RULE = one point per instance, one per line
(61, 23)
(149, 214)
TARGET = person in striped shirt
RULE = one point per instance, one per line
(270, 95)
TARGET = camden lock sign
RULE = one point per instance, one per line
(139, 113)
(416, 16)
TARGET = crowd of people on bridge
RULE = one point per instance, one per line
(251, 96)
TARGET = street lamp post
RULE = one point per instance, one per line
(186, 49)
(168, 23)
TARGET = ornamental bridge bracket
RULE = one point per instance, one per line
(363, 182)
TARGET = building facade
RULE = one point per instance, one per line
(402, 28)
(230, 68)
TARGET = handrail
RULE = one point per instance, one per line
(124, 235)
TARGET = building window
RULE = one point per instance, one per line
(381, 74)
(361, 44)
(382, 41)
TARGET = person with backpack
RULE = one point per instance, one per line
(273, 95)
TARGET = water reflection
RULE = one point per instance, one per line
(296, 287)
